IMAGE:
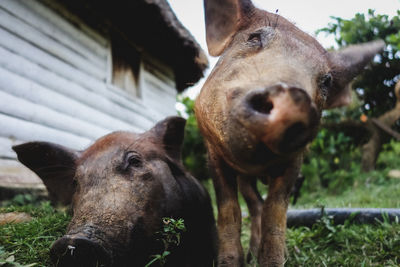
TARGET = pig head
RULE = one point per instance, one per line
(259, 108)
(120, 189)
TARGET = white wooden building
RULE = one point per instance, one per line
(74, 70)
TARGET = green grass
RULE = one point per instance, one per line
(344, 245)
(30, 242)
(363, 194)
(326, 244)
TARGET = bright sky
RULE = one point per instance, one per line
(308, 15)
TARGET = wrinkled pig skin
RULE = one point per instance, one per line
(120, 189)
(257, 111)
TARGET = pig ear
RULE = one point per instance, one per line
(222, 20)
(54, 164)
(347, 64)
(171, 131)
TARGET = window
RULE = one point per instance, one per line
(125, 68)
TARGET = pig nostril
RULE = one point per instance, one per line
(79, 252)
(261, 103)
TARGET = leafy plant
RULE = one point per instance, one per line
(328, 153)
(389, 157)
(170, 235)
(194, 152)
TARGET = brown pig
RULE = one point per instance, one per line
(120, 188)
(258, 109)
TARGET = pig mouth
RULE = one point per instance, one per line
(293, 140)
(89, 246)
(83, 248)
(79, 252)
(296, 137)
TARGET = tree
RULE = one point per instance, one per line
(375, 87)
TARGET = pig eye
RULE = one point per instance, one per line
(255, 39)
(261, 37)
(133, 160)
(326, 80)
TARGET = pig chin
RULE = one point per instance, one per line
(249, 154)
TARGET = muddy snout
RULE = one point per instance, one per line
(78, 250)
(284, 118)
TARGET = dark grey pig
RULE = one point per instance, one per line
(120, 189)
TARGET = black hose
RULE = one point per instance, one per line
(296, 218)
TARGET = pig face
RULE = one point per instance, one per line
(120, 188)
(263, 100)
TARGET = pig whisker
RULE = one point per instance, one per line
(269, 22)
(277, 18)
(71, 248)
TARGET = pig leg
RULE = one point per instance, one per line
(248, 188)
(273, 221)
(230, 251)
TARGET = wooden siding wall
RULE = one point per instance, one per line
(53, 82)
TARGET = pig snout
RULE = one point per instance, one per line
(79, 251)
(284, 118)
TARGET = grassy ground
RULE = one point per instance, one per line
(344, 245)
(323, 245)
(372, 190)
(347, 245)
(30, 242)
